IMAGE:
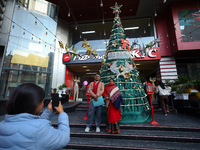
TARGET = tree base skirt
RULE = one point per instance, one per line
(132, 117)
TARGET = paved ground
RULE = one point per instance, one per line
(173, 119)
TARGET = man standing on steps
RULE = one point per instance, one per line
(96, 90)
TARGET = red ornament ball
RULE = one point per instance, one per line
(126, 87)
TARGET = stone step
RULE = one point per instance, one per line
(136, 137)
(141, 132)
(141, 127)
(103, 147)
(115, 144)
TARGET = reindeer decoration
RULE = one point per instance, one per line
(76, 88)
(153, 80)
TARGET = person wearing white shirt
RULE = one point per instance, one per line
(163, 95)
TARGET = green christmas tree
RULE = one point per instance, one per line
(119, 65)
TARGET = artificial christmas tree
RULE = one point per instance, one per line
(119, 65)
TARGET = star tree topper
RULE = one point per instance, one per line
(116, 8)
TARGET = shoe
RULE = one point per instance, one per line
(167, 111)
(87, 129)
(165, 114)
(98, 129)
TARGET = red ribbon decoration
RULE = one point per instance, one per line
(125, 43)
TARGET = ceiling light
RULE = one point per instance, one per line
(164, 1)
(87, 69)
(69, 14)
(103, 22)
(91, 73)
(155, 14)
(149, 24)
(75, 27)
(131, 28)
(84, 66)
(88, 32)
(101, 5)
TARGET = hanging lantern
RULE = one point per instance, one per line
(149, 88)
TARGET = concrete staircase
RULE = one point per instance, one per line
(133, 136)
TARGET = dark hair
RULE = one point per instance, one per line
(111, 79)
(162, 85)
(97, 74)
(25, 99)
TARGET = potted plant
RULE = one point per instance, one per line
(193, 96)
(184, 81)
(54, 90)
(64, 88)
(196, 84)
(173, 84)
(60, 88)
(181, 93)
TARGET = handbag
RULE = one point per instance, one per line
(99, 102)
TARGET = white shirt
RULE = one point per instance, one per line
(163, 91)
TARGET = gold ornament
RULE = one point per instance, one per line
(66, 47)
(84, 43)
(89, 50)
(114, 44)
(61, 44)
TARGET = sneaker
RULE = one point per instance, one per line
(165, 114)
(87, 129)
(167, 111)
(98, 129)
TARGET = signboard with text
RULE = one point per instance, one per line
(151, 54)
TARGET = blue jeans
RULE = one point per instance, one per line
(91, 115)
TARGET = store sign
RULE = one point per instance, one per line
(66, 57)
(152, 54)
(85, 58)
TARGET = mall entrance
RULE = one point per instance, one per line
(87, 71)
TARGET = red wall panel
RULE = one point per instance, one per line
(69, 80)
(161, 27)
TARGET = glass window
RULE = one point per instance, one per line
(40, 6)
(29, 58)
(189, 25)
